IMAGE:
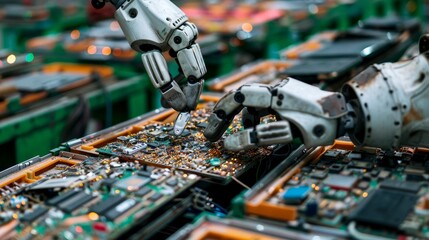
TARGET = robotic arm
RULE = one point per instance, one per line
(385, 106)
(152, 27)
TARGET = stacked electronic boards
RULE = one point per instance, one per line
(334, 57)
(346, 192)
(110, 183)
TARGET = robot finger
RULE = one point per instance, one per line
(157, 69)
(262, 135)
(192, 65)
(192, 93)
(254, 96)
(222, 116)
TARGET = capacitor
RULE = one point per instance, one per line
(311, 208)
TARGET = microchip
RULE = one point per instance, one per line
(143, 192)
(162, 137)
(295, 195)
(56, 183)
(155, 197)
(331, 154)
(132, 184)
(375, 172)
(404, 186)
(383, 174)
(153, 144)
(123, 138)
(167, 128)
(384, 208)
(355, 155)
(120, 209)
(61, 198)
(337, 181)
(317, 174)
(108, 182)
(363, 185)
(361, 165)
(105, 205)
(70, 201)
(172, 182)
(30, 217)
(336, 168)
(155, 133)
(75, 202)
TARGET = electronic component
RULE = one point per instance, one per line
(134, 149)
(337, 181)
(31, 216)
(384, 208)
(102, 207)
(295, 195)
(56, 183)
(189, 152)
(76, 201)
(404, 186)
(120, 209)
(132, 184)
(116, 195)
(379, 202)
(143, 192)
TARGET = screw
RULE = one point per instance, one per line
(133, 12)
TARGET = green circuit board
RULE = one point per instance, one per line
(97, 198)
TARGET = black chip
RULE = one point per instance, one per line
(384, 208)
(167, 128)
(32, 216)
(321, 166)
(172, 182)
(108, 182)
(367, 176)
(185, 133)
(153, 144)
(142, 192)
(120, 209)
(361, 165)
(143, 173)
(336, 168)
(75, 202)
(61, 198)
(405, 186)
(107, 204)
(162, 137)
(319, 174)
(415, 177)
(155, 197)
(363, 185)
(375, 172)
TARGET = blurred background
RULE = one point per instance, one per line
(66, 69)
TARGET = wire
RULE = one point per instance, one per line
(363, 236)
(241, 183)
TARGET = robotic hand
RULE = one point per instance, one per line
(152, 27)
(385, 106)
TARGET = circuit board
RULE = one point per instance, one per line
(354, 193)
(211, 227)
(74, 196)
(156, 144)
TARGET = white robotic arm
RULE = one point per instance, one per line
(385, 106)
(152, 27)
